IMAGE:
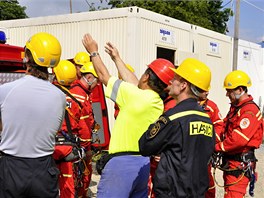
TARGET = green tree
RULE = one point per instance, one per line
(100, 5)
(10, 9)
(208, 14)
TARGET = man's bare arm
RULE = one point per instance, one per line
(91, 46)
(124, 72)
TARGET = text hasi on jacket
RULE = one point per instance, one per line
(201, 128)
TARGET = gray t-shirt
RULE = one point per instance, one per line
(32, 111)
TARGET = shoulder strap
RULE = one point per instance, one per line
(238, 108)
(67, 119)
(67, 92)
(68, 125)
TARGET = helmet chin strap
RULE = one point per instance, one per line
(195, 91)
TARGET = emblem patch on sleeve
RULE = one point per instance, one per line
(244, 123)
(155, 129)
(157, 126)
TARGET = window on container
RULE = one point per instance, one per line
(168, 54)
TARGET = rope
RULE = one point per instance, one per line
(216, 163)
(210, 188)
(226, 170)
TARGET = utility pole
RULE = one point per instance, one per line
(71, 6)
(236, 34)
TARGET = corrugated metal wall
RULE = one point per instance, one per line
(215, 50)
(136, 33)
(190, 41)
(70, 35)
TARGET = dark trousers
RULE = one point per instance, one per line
(28, 177)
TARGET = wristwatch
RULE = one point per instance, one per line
(94, 54)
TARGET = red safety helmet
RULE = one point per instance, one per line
(161, 67)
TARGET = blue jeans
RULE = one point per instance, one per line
(125, 177)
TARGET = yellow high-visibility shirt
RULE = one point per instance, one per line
(138, 109)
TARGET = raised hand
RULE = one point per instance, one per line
(112, 51)
(89, 43)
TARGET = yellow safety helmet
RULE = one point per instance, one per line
(65, 72)
(235, 79)
(128, 67)
(45, 49)
(88, 68)
(195, 72)
(81, 58)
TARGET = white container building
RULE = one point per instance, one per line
(142, 36)
(251, 60)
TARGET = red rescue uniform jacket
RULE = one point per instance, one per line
(82, 119)
(169, 102)
(213, 111)
(243, 128)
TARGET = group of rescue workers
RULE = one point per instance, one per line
(73, 142)
(167, 140)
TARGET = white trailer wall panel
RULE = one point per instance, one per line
(69, 29)
(215, 50)
(137, 33)
(151, 39)
(250, 60)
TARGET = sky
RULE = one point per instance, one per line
(251, 20)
